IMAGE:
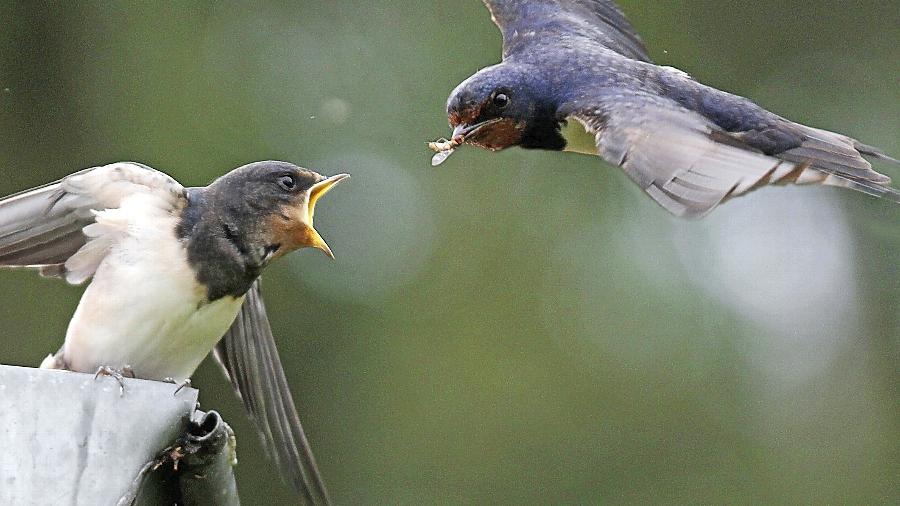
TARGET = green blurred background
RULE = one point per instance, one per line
(511, 328)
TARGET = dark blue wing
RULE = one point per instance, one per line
(249, 359)
(690, 165)
(524, 21)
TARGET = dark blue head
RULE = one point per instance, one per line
(505, 105)
(235, 226)
(271, 204)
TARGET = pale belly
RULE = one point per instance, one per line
(145, 310)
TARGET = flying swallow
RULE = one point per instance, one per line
(575, 76)
(174, 274)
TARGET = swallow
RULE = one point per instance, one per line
(575, 76)
(174, 275)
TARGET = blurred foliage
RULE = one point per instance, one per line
(518, 327)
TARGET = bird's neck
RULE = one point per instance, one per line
(217, 249)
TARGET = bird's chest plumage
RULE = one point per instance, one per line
(145, 308)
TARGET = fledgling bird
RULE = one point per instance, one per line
(577, 67)
(174, 275)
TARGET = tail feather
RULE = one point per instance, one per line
(874, 152)
(841, 160)
(835, 153)
(868, 187)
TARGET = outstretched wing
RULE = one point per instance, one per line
(248, 356)
(46, 227)
(689, 165)
(524, 21)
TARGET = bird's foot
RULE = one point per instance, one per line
(181, 384)
(118, 374)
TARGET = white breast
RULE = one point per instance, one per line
(144, 307)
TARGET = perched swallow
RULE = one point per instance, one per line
(174, 275)
(576, 69)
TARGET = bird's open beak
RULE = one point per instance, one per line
(463, 130)
(444, 148)
(314, 240)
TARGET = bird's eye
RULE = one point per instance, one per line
(501, 100)
(287, 182)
